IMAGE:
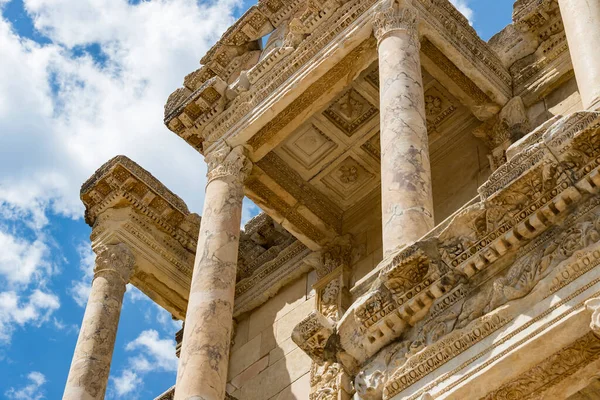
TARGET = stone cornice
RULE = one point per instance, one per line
(122, 179)
(307, 36)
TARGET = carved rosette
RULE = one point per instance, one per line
(396, 15)
(116, 260)
(226, 163)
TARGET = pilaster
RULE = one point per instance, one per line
(328, 376)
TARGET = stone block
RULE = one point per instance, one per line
(285, 326)
(250, 372)
(245, 356)
(241, 334)
(290, 297)
(277, 377)
(267, 341)
(282, 349)
(298, 390)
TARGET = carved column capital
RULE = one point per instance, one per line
(228, 163)
(396, 15)
(338, 253)
(115, 259)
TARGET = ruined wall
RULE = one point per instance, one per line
(264, 363)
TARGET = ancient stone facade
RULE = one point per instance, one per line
(431, 210)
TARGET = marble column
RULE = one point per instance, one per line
(582, 27)
(202, 372)
(90, 367)
(406, 194)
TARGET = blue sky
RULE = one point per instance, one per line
(82, 81)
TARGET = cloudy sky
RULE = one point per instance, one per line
(80, 82)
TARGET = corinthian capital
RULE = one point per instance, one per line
(115, 258)
(226, 162)
(396, 15)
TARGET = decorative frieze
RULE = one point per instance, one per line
(552, 370)
(308, 35)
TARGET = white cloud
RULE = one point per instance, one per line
(32, 391)
(464, 8)
(62, 116)
(159, 352)
(126, 383)
(154, 355)
(80, 290)
(21, 260)
(15, 311)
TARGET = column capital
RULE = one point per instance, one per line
(396, 15)
(115, 258)
(227, 162)
(336, 254)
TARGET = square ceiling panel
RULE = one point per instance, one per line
(373, 147)
(348, 180)
(308, 149)
(350, 111)
(438, 106)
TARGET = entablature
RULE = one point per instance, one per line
(301, 50)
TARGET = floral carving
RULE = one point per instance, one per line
(396, 15)
(115, 258)
(433, 105)
(228, 163)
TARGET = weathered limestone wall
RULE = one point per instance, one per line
(457, 174)
(264, 363)
(563, 100)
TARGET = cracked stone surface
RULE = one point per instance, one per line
(407, 201)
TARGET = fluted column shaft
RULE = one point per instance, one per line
(90, 367)
(406, 194)
(582, 27)
(202, 372)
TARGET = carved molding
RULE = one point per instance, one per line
(121, 178)
(549, 372)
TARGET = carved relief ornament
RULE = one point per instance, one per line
(228, 163)
(396, 15)
(116, 258)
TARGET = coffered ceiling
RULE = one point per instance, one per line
(330, 164)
